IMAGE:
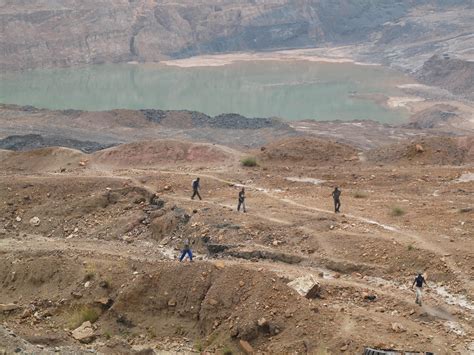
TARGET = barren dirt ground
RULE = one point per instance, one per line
(104, 248)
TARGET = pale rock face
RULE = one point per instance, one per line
(55, 33)
(84, 333)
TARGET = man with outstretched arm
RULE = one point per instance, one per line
(196, 188)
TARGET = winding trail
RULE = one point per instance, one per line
(392, 229)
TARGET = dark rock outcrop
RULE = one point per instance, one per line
(36, 141)
(455, 75)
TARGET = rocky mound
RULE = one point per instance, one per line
(161, 300)
(431, 151)
(433, 117)
(310, 151)
(35, 141)
(453, 74)
(42, 160)
(189, 119)
(467, 144)
(162, 152)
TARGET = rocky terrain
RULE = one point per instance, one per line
(95, 207)
(90, 240)
(35, 141)
(24, 128)
(453, 74)
(87, 240)
(403, 34)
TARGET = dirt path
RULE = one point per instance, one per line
(287, 216)
(153, 254)
(408, 235)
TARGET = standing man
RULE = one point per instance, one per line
(336, 194)
(241, 200)
(419, 281)
(196, 188)
(186, 250)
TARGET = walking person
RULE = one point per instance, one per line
(186, 250)
(336, 194)
(419, 281)
(196, 188)
(241, 200)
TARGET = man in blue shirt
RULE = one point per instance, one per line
(186, 250)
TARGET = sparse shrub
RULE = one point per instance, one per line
(89, 276)
(198, 346)
(180, 331)
(104, 284)
(90, 273)
(249, 161)
(82, 314)
(211, 338)
(226, 351)
(397, 211)
(410, 247)
(37, 279)
(360, 194)
(151, 333)
(322, 351)
(107, 335)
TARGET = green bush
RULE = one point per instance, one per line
(397, 211)
(249, 161)
(82, 314)
(360, 194)
(89, 276)
(198, 346)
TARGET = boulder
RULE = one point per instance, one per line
(213, 302)
(219, 264)
(398, 328)
(35, 221)
(246, 347)
(262, 322)
(8, 307)
(105, 302)
(369, 296)
(306, 286)
(84, 334)
(172, 302)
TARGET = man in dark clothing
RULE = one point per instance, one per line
(419, 281)
(241, 200)
(186, 250)
(336, 194)
(196, 188)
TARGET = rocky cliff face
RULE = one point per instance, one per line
(62, 33)
(47, 33)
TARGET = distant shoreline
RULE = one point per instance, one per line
(286, 55)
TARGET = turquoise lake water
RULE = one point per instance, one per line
(292, 90)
